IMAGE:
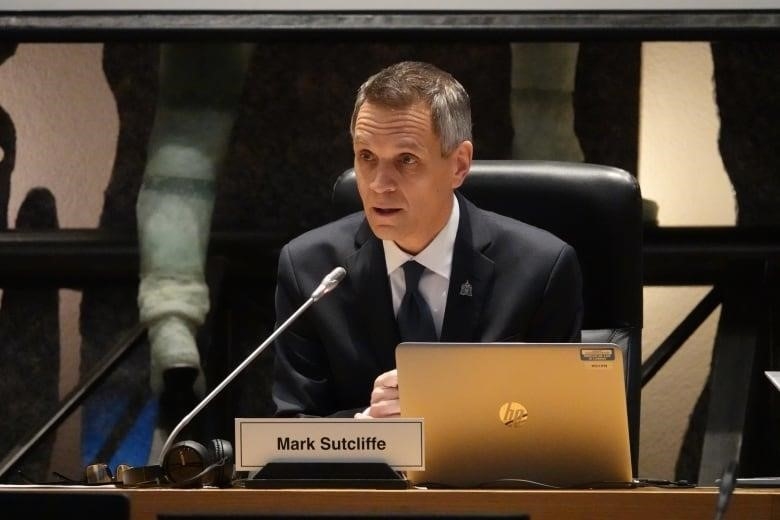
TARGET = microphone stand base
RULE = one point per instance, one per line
(327, 475)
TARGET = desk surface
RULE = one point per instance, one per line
(637, 504)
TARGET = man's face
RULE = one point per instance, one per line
(404, 182)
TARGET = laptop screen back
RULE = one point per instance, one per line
(503, 414)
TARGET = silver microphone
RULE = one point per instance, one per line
(328, 283)
(331, 280)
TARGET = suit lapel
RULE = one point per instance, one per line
(470, 282)
(368, 271)
(471, 277)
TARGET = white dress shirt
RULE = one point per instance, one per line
(437, 260)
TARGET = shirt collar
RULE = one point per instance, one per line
(437, 256)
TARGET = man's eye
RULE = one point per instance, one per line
(365, 156)
(408, 159)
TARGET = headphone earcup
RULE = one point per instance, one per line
(221, 455)
(184, 462)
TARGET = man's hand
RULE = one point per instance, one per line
(384, 398)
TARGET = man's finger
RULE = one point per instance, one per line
(390, 408)
(379, 394)
(388, 379)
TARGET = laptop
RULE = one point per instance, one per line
(518, 414)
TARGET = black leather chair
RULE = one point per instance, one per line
(598, 210)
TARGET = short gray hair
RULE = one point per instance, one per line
(408, 82)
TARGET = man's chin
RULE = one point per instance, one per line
(383, 230)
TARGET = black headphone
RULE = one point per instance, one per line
(187, 464)
(190, 464)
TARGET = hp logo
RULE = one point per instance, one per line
(512, 414)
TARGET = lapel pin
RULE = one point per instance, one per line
(465, 289)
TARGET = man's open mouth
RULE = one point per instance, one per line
(386, 211)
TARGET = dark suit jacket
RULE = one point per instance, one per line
(525, 285)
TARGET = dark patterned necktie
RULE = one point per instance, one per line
(414, 316)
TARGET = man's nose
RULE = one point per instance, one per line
(384, 179)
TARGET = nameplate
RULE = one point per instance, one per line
(397, 442)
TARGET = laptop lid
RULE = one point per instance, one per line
(504, 414)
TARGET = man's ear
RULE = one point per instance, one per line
(462, 157)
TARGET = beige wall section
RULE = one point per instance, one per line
(66, 127)
(681, 170)
(66, 131)
(679, 162)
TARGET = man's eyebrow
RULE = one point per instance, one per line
(403, 146)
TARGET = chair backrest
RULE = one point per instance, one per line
(598, 210)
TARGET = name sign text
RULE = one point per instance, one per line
(396, 442)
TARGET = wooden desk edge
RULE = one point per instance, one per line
(640, 504)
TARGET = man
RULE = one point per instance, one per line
(485, 278)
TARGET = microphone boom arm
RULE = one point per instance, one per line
(328, 283)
